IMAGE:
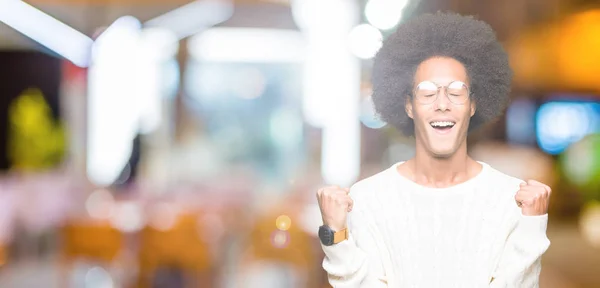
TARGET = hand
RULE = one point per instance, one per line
(335, 203)
(533, 198)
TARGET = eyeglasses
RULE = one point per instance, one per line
(427, 92)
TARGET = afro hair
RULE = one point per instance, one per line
(470, 41)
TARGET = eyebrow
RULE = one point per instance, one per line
(438, 84)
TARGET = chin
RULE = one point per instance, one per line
(442, 149)
(442, 154)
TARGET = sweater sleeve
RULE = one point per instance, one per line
(355, 262)
(520, 263)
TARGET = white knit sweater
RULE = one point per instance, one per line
(406, 235)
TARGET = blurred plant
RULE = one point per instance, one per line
(36, 141)
(581, 166)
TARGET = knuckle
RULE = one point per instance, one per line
(332, 189)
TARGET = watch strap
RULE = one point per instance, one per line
(340, 236)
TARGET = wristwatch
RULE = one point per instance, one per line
(329, 237)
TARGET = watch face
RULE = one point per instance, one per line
(326, 235)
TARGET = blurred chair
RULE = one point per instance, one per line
(271, 253)
(179, 246)
(95, 241)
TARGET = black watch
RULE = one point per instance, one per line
(329, 237)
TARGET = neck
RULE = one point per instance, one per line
(432, 171)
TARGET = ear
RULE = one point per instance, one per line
(408, 107)
(473, 108)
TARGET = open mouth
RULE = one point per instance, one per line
(442, 126)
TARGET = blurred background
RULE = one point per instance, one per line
(149, 143)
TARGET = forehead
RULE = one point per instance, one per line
(441, 70)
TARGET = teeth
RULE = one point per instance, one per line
(442, 124)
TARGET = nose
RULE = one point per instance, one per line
(442, 102)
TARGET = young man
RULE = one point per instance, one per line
(440, 219)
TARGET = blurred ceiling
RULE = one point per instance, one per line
(84, 18)
(507, 17)
(87, 16)
(531, 29)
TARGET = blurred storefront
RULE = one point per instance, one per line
(152, 143)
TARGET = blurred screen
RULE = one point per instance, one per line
(561, 123)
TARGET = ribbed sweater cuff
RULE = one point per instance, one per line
(341, 253)
(532, 231)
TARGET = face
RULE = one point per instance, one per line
(441, 126)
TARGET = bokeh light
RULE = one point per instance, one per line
(589, 223)
(100, 204)
(283, 222)
(364, 41)
(128, 217)
(384, 14)
(163, 216)
(280, 239)
(97, 277)
(368, 115)
(581, 165)
(560, 124)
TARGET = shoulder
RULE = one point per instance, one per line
(502, 187)
(501, 180)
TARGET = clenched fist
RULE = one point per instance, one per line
(533, 198)
(335, 203)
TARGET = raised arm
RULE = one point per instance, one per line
(520, 263)
(352, 261)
